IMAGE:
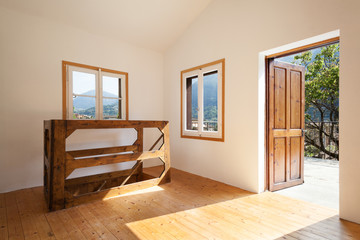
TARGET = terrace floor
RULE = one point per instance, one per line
(321, 184)
(190, 207)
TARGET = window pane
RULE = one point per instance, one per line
(84, 107)
(83, 83)
(111, 108)
(211, 101)
(111, 87)
(192, 103)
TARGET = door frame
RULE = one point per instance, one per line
(264, 57)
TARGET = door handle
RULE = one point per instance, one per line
(303, 131)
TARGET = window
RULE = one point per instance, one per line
(202, 101)
(94, 93)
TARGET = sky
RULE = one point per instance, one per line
(84, 82)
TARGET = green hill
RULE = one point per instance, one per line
(210, 98)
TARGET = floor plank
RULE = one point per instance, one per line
(36, 199)
(26, 214)
(57, 227)
(72, 229)
(82, 224)
(95, 223)
(15, 230)
(3, 218)
(190, 207)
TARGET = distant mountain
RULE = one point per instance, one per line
(210, 98)
(82, 103)
(108, 110)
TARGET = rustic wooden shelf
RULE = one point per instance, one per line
(61, 192)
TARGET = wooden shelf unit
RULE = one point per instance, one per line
(61, 192)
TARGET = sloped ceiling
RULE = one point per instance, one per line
(152, 24)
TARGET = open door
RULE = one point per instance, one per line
(286, 122)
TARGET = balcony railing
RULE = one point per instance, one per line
(211, 126)
(332, 133)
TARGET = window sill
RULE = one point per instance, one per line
(217, 139)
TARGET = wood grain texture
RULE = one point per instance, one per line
(61, 192)
(295, 99)
(99, 151)
(72, 164)
(280, 98)
(280, 160)
(57, 165)
(295, 158)
(64, 89)
(190, 207)
(14, 224)
(285, 117)
(96, 124)
(97, 177)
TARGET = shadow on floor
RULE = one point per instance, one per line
(324, 229)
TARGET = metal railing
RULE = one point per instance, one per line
(208, 125)
(312, 132)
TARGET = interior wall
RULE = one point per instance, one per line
(31, 51)
(238, 31)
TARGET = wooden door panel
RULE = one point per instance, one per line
(286, 102)
(295, 149)
(295, 100)
(279, 164)
(280, 98)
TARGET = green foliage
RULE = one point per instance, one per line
(210, 98)
(321, 98)
(210, 113)
(321, 80)
(311, 151)
(108, 110)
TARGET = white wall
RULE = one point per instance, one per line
(31, 51)
(238, 31)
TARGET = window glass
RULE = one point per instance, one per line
(192, 107)
(111, 87)
(202, 105)
(94, 93)
(111, 97)
(83, 83)
(210, 122)
(83, 107)
(111, 109)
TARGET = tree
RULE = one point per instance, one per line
(322, 98)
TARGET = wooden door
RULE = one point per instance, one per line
(286, 121)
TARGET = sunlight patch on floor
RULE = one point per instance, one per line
(143, 191)
(242, 217)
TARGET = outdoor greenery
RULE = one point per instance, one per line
(84, 107)
(108, 110)
(210, 99)
(321, 100)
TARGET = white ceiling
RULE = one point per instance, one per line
(152, 24)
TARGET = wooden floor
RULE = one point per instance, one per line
(191, 207)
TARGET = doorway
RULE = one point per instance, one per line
(297, 136)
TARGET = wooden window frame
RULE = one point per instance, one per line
(98, 97)
(220, 135)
